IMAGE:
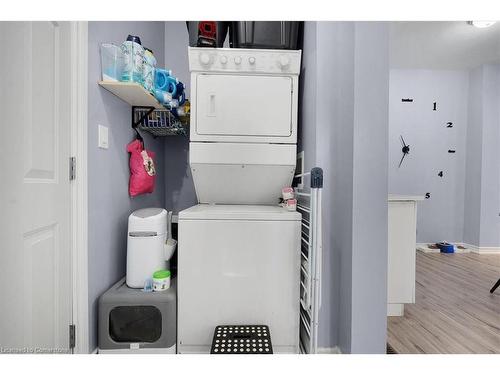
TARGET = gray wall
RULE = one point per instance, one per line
(315, 137)
(179, 192)
(472, 198)
(464, 204)
(321, 105)
(441, 217)
(490, 168)
(344, 119)
(370, 188)
(342, 122)
(109, 204)
(482, 189)
(335, 104)
(306, 139)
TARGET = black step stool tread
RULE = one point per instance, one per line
(241, 339)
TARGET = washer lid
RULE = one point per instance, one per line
(238, 212)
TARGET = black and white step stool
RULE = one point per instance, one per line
(243, 339)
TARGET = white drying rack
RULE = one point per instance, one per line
(309, 205)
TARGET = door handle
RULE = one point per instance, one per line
(211, 105)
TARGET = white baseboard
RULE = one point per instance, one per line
(469, 248)
(170, 350)
(334, 350)
(423, 247)
(483, 249)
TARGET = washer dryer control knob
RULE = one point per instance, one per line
(237, 60)
(251, 60)
(284, 61)
(223, 59)
(204, 58)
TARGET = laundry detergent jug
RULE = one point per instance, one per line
(133, 53)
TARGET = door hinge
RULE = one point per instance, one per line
(72, 168)
(72, 336)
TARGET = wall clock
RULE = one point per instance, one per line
(405, 150)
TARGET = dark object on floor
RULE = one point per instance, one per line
(433, 246)
(461, 247)
(390, 350)
(242, 339)
(446, 247)
(497, 284)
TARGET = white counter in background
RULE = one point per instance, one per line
(402, 252)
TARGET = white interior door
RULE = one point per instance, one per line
(35, 256)
(239, 105)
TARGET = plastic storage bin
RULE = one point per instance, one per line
(265, 34)
(112, 62)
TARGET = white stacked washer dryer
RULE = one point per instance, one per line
(239, 252)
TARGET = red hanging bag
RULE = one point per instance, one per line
(142, 169)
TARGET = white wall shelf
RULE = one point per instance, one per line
(148, 114)
(131, 93)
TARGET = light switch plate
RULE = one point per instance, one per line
(103, 137)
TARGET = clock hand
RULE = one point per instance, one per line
(399, 166)
(403, 141)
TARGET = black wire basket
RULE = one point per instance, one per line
(159, 122)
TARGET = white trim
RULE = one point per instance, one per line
(482, 249)
(171, 350)
(395, 309)
(334, 350)
(470, 248)
(423, 247)
(79, 214)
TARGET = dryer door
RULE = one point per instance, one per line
(244, 106)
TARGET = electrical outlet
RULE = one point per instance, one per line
(103, 137)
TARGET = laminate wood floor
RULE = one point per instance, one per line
(454, 310)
